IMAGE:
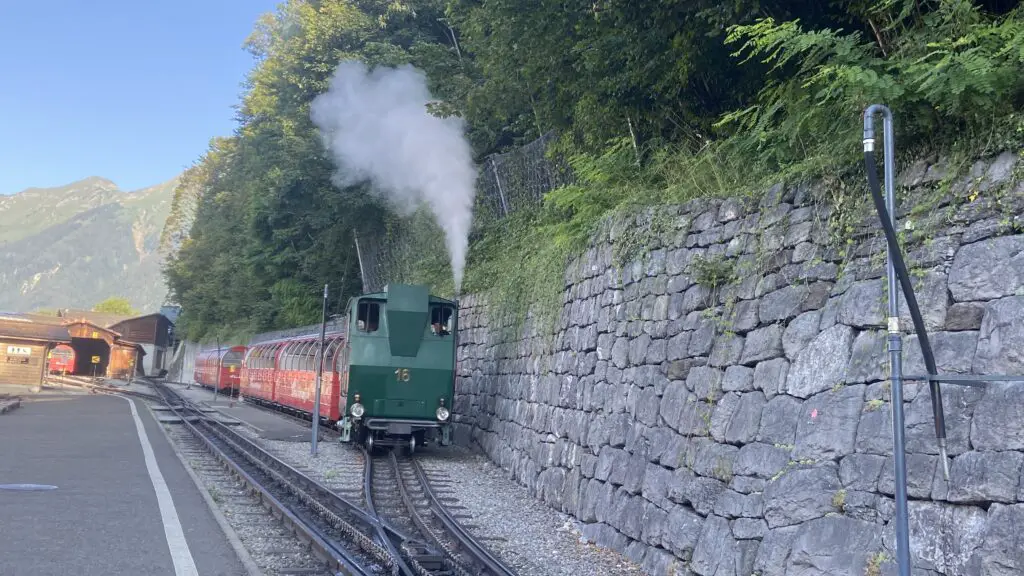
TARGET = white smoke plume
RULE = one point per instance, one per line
(377, 127)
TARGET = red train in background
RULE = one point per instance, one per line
(281, 374)
(220, 368)
(61, 359)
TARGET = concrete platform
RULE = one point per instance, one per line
(106, 494)
(267, 424)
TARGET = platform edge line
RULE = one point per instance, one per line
(177, 544)
(236, 543)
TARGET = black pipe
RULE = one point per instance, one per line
(908, 291)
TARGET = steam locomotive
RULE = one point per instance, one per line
(388, 372)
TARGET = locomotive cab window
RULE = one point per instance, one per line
(441, 320)
(368, 316)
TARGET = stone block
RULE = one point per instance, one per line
(998, 422)
(799, 333)
(716, 551)
(698, 492)
(749, 528)
(863, 305)
(869, 359)
(827, 427)
(761, 460)
(822, 364)
(682, 531)
(834, 545)
(964, 316)
(1001, 339)
(738, 379)
(746, 419)
(762, 344)
(861, 471)
(779, 420)
(987, 270)
(985, 477)
(1002, 552)
(801, 494)
(770, 376)
(783, 304)
(920, 474)
(946, 539)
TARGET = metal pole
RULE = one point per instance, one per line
(895, 340)
(501, 193)
(216, 385)
(319, 375)
(362, 267)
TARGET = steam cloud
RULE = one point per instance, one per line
(377, 127)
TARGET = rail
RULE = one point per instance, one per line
(442, 554)
(335, 511)
(481, 555)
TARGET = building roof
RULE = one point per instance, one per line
(29, 330)
(130, 318)
(45, 328)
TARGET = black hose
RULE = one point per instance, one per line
(908, 292)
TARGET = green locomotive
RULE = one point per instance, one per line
(399, 367)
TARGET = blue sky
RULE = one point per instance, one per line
(127, 90)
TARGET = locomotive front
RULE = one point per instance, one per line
(399, 367)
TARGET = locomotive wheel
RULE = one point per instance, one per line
(369, 441)
(411, 448)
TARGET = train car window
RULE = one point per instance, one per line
(441, 320)
(332, 354)
(368, 316)
(286, 357)
(308, 351)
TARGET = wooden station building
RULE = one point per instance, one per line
(103, 344)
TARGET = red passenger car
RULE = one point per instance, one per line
(282, 374)
(62, 359)
(220, 368)
(258, 367)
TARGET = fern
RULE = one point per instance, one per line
(951, 67)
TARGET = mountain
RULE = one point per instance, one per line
(75, 245)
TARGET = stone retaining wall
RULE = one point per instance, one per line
(743, 426)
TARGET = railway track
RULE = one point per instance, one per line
(343, 535)
(398, 489)
(94, 385)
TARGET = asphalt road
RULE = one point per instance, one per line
(103, 518)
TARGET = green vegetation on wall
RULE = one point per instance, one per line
(711, 99)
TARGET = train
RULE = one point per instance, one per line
(220, 368)
(388, 374)
(61, 360)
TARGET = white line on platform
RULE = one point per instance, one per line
(184, 564)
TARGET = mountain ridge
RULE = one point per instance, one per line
(77, 244)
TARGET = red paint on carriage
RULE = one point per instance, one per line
(220, 368)
(283, 373)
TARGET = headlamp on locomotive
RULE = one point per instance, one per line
(400, 368)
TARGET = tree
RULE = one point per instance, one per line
(116, 305)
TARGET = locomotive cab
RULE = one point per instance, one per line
(400, 365)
